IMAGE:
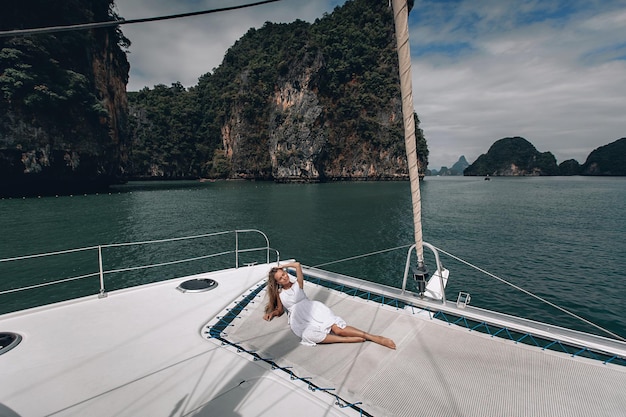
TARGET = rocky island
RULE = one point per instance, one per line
(516, 156)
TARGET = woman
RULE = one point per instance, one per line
(312, 321)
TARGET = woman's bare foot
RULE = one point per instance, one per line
(388, 343)
(384, 341)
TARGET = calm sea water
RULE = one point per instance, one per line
(561, 238)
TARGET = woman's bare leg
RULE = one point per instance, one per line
(333, 338)
(350, 331)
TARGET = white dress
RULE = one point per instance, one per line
(309, 320)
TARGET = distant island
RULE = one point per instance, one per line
(457, 168)
(516, 156)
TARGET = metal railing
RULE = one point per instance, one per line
(102, 272)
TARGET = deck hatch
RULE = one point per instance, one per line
(197, 285)
(8, 341)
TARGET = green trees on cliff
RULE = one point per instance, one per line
(63, 108)
(49, 76)
(352, 60)
(58, 117)
(167, 138)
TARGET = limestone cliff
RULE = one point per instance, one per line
(63, 105)
(329, 116)
(296, 136)
(290, 102)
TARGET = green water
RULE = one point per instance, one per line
(561, 238)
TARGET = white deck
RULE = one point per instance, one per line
(140, 352)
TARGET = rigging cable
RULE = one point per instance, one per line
(543, 300)
(96, 25)
(361, 256)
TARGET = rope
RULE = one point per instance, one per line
(96, 25)
(401, 16)
(543, 300)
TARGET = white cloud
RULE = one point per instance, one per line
(532, 81)
(184, 49)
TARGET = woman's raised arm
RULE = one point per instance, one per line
(299, 275)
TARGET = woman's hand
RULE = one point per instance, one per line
(295, 265)
(277, 312)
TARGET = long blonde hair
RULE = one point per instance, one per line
(272, 290)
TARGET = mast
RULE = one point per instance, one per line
(401, 19)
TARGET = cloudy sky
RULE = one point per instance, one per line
(551, 71)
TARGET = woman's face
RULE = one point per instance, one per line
(282, 278)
